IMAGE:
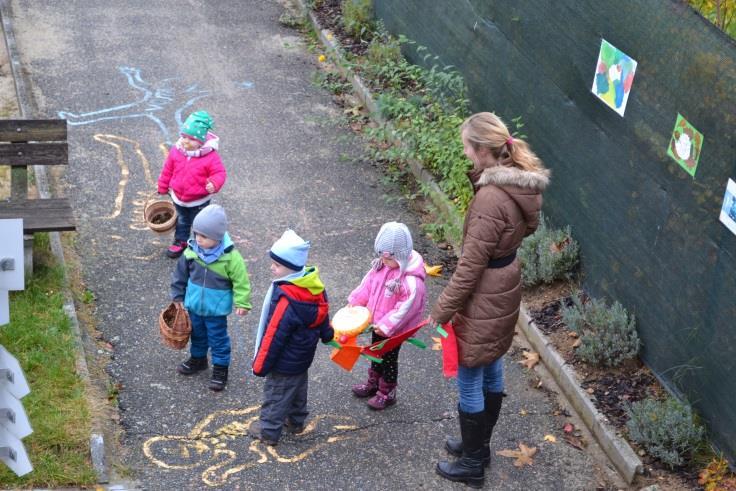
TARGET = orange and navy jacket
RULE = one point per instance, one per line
(298, 318)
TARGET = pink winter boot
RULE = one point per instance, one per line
(385, 397)
(369, 387)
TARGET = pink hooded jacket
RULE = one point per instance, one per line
(393, 312)
(188, 176)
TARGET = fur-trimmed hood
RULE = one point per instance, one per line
(503, 176)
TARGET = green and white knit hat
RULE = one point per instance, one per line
(197, 125)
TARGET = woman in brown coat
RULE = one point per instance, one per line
(484, 294)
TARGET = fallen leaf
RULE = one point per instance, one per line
(575, 442)
(559, 246)
(532, 358)
(568, 428)
(550, 438)
(590, 390)
(523, 456)
(437, 345)
(433, 270)
(354, 110)
(572, 334)
(523, 412)
(577, 343)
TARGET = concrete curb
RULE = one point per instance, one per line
(617, 449)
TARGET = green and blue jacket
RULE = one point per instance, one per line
(211, 289)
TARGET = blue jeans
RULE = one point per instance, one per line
(210, 333)
(184, 218)
(473, 382)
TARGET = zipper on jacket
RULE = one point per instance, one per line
(204, 290)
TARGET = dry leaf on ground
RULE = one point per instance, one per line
(523, 456)
(577, 343)
(531, 359)
(433, 270)
(575, 442)
(550, 438)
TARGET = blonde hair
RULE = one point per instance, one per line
(488, 131)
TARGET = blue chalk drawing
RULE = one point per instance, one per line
(158, 98)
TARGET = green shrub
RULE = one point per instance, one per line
(548, 254)
(665, 428)
(357, 17)
(608, 335)
(384, 48)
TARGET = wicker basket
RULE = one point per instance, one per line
(160, 215)
(175, 326)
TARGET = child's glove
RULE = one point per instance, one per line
(379, 331)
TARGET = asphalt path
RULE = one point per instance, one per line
(124, 73)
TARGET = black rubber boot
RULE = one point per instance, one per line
(219, 378)
(468, 469)
(192, 366)
(492, 405)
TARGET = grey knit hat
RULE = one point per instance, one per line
(394, 238)
(211, 222)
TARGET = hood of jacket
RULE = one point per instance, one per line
(522, 186)
(310, 281)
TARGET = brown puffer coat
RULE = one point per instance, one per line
(484, 302)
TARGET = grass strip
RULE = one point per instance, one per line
(40, 337)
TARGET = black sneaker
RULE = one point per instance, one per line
(254, 430)
(219, 378)
(292, 428)
(192, 366)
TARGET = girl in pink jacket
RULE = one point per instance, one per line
(192, 172)
(393, 290)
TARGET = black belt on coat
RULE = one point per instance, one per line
(502, 262)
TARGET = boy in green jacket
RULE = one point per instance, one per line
(210, 277)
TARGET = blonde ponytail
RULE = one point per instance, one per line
(488, 130)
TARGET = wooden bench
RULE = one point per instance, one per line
(34, 142)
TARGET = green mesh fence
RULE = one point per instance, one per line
(649, 231)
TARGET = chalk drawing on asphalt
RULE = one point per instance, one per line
(161, 102)
(123, 146)
(208, 444)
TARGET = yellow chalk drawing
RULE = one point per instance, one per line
(115, 142)
(207, 444)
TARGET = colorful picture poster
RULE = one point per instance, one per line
(685, 145)
(728, 211)
(614, 75)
